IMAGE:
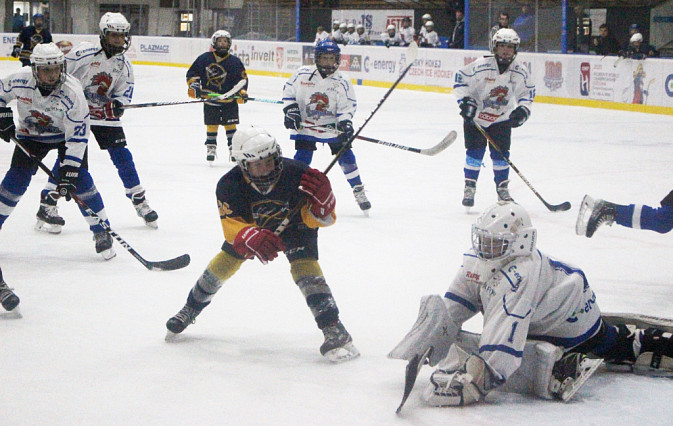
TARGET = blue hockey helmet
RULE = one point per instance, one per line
(327, 66)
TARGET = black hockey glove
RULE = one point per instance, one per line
(113, 109)
(519, 116)
(468, 109)
(346, 129)
(242, 97)
(7, 127)
(16, 51)
(195, 90)
(67, 182)
(292, 117)
(387, 43)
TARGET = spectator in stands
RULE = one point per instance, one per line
(605, 44)
(391, 37)
(321, 34)
(407, 32)
(343, 29)
(363, 38)
(351, 36)
(637, 49)
(17, 21)
(424, 19)
(458, 37)
(431, 39)
(503, 22)
(337, 34)
(524, 25)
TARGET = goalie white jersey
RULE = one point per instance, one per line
(103, 79)
(532, 297)
(322, 101)
(497, 95)
(62, 115)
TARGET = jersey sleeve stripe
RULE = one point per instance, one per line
(454, 297)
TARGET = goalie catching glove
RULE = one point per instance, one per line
(258, 242)
(316, 185)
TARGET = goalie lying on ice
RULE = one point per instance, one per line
(543, 332)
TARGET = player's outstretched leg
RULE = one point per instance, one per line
(48, 219)
(593, 214)
(468, 192)
(8, 299)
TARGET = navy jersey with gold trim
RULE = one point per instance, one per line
(30, 37)
(217, 74)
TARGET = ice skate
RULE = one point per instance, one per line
(361, 198)
(468, 193)
(8, 299)
(144, 210)
(48, 219)
(211, 153)
(503, 191)
(104, 245)
(570, 373)
(178, 322)
(656, 353)
(593, 214)
(338, 345)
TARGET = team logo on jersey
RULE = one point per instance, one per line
(40, 123)
(497, 98)
(215, 76)
(96, 92)
(269, 213)
(224, 209)
(318, 106)
(65, 46)
(553, 77)
(35, 40)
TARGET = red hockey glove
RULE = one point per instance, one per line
(260, 243)
(316, 185)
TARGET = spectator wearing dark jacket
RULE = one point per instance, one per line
(605, 44)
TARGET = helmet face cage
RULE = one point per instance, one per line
(252, 144)
(213, 42)
(114, 23)
(504, 230)
(505, 36)
(492, 246)
(323, 48)
(48, 55)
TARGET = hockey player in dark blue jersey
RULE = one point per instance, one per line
(217, 72)
(30, 37)
(253, 199)
(594, 213)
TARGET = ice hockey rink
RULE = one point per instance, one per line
(89, 348)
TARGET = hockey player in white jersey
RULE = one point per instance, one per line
(391, 37)
(107, 78)
(319, 95)
(52, 114)
(523, 295)
(495, 92)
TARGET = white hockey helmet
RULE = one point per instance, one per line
(429, 24)
(113, 22)
(427, 17)
(636, 38)
(48, 55)
(390, 27)
(213, 42)
(350, 25)
(252, 144)
(343, 26)
(503, 231)
(505, 36)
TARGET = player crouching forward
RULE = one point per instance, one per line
(543, 332)
(253, 199)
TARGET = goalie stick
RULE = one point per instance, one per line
(552, 207)
(162, 265)
(237, 88)
(411, 373)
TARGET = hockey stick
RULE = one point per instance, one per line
(413, 368)
(162, 265)
(552, 207)
(268, 101)
(237, 88)
(412, 52)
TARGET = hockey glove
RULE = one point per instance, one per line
(67, 182)
(16, 51)
(257, 242)
(113, 109)
(316, 185)
(519, 116)
(346, 129)
(7, 127)
(292, 117)
(242, 97)
(468, 109)
(194, 90)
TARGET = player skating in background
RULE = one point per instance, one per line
(107, 78)
(495, 92)
(253, 199)
(319, 95)
(217, 72)
(30, 37)
(52, 114)
(594, 213)
(542, 327)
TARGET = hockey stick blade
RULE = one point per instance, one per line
(448, 140)
(558, 207)
(168, 265)
(413, 368)
(237, 88)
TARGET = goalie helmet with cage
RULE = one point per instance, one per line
(48, 65)
(259, 156)
(327, 57)
(221, 49)
(508, 37)
(502, 232)
(113, 22)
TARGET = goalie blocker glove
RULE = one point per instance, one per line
(468, 109)
(519, 116)
(317, 186)
(258, 242)
(292, 117)
(7, 126)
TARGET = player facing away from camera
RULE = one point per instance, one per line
(107, 78)
(319, 95)
(53, 114)
(543, 332)
(496, 93)
(253, 199)
(216, 73)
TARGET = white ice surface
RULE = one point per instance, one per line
(90, 347)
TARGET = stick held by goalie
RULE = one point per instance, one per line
(543, 332)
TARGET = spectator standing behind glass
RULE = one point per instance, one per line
(390, 37)
(431, 38)
(30, 37)
(458, 37)
(422, 32)
(503, 22)
(362, 37)
(605, 44)
(320, 34)
(407, 32)
(17, 21)
(524, 25)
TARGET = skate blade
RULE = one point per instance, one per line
(582, 217)
(108, 254)
(365, 212)
(153, 225)
(593, 365)
(171, 337)
(11, 315)
(342, 354)
(467, 209)
(43, 226)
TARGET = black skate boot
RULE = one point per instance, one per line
(361, 198)
(468, 192)
(338, 345)
(104, 245)
(211, 152)
(8, 299)
(48, 219)
(570, 373)
(656, 352)
(602, 213)
(503, 191)
(144, 210)
(177, 323)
